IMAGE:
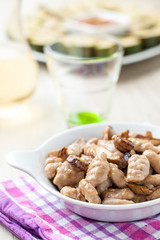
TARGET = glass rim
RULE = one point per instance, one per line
(74, 59)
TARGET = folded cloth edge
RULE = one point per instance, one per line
(13, 217)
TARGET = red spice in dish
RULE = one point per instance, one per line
(97, 21)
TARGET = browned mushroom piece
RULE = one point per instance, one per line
(124, 134)
(62, 153)
(148, 136)
(139, 198)
(139, 189)
(123, 145)
(120, 162)
(108, 133)
(149, 186)
(155, 141)
(154, 195)
(77, 162)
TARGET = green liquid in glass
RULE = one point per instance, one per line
(84, 118)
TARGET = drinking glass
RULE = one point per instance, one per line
(85, 85)
(18, 69)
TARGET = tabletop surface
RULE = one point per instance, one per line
(137, 99)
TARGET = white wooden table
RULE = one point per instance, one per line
(137, 99)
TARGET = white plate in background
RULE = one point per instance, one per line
(133, 58)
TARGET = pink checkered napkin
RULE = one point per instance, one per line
(59, 223)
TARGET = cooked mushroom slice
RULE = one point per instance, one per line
(139, 198)
(62, 153)
(89, 192)
(152, 179)
(117, 176)
(104, 186)
(140, 145)
(138, 168)
(74, 193)
(51, 165)
(77, 162)
(77, 147)
(98, 171)
(155, 141)
(139, 189)
(154, 159)
(124, 134)
(120, 162)
(108, 133)
(123, 145)
(124, 193)
(154, 195)
(149, 186)
(111, 201)
(148, 135)
(68, 175)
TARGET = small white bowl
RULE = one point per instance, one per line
(32, 162)
(122, 22)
